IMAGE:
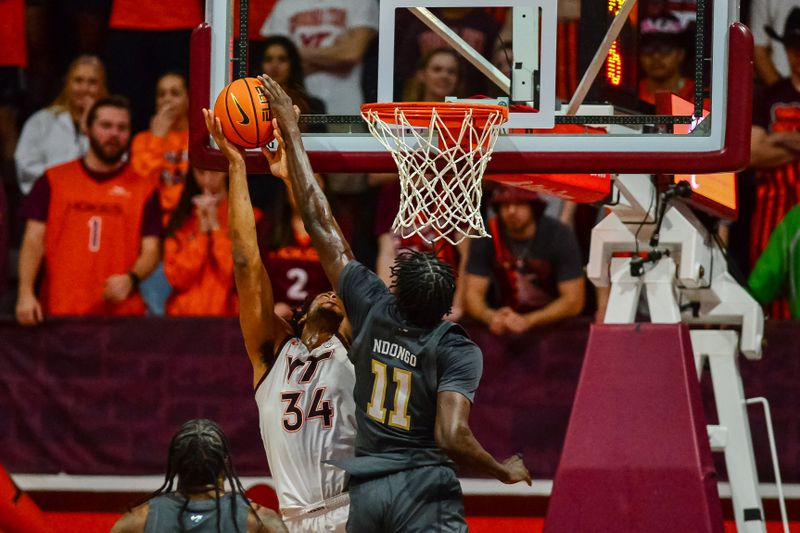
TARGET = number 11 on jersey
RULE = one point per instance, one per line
(398, 416)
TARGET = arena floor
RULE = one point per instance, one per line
(102, 522)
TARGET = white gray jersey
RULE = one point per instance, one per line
(307, 416)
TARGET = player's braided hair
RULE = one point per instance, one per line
(423, 286)
(198, 453)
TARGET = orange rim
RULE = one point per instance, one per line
(451, 113)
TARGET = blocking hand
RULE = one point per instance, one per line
(278, 165)
(280, 104)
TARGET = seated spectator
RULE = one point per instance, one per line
(292, 262)
(198, 261)
(281, 62)
(437, 76)
(777, 271)
(775, 150)
(769, 57)
(95, 223)
(55, 135)
(162, 152)
(200, 458)
(661, 54)
(532, 262)
(390, 244)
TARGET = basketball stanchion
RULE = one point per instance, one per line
(441, 151)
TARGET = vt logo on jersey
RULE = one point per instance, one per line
(245, 119)
(311, 363)
(196, 518)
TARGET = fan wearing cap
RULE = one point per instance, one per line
(769, 56)
(661, 55)
(775, 148)
(532, 264)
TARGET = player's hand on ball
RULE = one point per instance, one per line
(516, 471)
(280, 104)
(214, 126)
(278, 165)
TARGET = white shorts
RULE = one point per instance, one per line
(329, 517)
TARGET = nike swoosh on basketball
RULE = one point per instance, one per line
(245, 119)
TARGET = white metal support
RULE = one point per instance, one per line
(721, 349)
(774, 453)
(623, 298)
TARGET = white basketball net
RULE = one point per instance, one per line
(440, 173)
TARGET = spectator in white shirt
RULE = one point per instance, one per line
(54, 135)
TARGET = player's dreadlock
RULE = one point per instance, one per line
(424, 287)
(198, 454)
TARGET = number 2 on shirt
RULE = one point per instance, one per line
(398, 417)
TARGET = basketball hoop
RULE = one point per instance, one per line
(441, 151)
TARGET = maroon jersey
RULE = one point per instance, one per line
(296, 273)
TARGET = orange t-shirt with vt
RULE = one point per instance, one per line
(199, 266)
(164, 161)
(93, 232)
(155, 15)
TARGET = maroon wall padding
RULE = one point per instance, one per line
(636, 455)
(18, 513)
(104, 396)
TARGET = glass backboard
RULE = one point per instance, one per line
(580, 77)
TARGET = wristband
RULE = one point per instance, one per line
(135, 279)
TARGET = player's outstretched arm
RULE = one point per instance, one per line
(455, 438)
(262, 330)
(291, 162)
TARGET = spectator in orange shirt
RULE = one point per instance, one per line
(148, 38)
(95, 223)
(198, 260)
(162, 152)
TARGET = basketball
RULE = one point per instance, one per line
(244, 113)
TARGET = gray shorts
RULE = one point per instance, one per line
(425, 499)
